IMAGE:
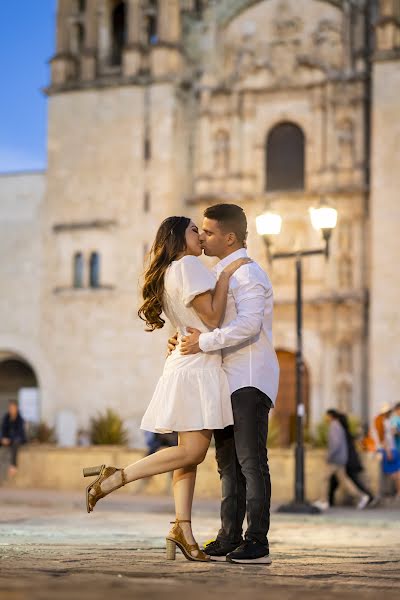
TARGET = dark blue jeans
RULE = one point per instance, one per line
(243, 468)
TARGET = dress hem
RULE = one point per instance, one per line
(166, 430)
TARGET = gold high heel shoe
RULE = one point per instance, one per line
(176, 537)
(103, 473)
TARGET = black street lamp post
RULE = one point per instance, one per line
(299, 504)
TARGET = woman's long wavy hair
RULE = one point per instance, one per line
(170, 242)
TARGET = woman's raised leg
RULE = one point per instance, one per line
(191, 450)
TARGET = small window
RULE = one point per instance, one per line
(118, 33)
(285, 158)
(77, 38)
(94, 279)
(198, 8)
(78, 270)
(146, 202)
(151, 23)
(147, 148)
(81, 6)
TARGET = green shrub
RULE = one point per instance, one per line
(354, 426)
(41, 433)
(273, 440)
(108, 429)
(320, 437)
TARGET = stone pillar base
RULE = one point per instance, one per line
(63, 68)
(165, 61)
(88, 66)
(132, 61)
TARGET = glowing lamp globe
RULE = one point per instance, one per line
(269, 223)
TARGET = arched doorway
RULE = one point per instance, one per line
(18, 381)
(285, 411)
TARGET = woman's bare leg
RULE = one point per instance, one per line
(191, 450)
(183, 484)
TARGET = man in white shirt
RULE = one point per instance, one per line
(251, 366)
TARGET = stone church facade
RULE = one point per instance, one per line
(160, 108)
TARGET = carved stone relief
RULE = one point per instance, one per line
(345, 146)
(328, 45)
(344, 368)
(344, 237)
(221, 152)
(345, 260)
(345, 272)
(345, 358)
(289, 53)
(344, 397)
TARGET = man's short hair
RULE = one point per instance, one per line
(231, 219)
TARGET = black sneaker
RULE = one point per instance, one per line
(250, 552)
(217, 550)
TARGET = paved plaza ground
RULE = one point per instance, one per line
(51, 549)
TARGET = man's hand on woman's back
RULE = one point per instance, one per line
(172, 343)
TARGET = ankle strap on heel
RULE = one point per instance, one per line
(123, 477)
(180, 521)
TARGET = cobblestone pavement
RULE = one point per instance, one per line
(50, 549)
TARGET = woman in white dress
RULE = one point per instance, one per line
(192, 396)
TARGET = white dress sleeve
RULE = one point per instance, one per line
(196, 278)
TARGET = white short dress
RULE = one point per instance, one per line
(193, 392)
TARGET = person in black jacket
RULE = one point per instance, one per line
(353, 466)
(13, 434)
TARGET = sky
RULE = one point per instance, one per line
(27, 42)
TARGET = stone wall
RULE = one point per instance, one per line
(21, 269)
(385, 215)
(61, 469)
(97, 181)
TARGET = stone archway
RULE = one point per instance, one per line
(285, 411)
(18, 381)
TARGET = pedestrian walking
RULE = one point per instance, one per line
(354, 465)
(395, 424)
(13, 434)
(338, 455)
(390, 453)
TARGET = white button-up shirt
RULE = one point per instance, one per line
(248, 355)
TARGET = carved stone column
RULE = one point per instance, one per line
(88, 61)
(63, 64)
(235, 138)
(135, 21)
(203, 162)
(104, 41)
(388, 28)
(247, 138)
(166, 56)
(132, 52)
(62, 27)
(169, 21)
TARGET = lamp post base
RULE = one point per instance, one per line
(299, 508)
